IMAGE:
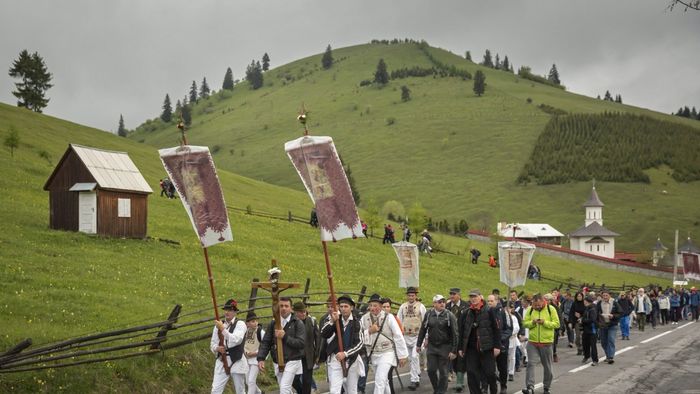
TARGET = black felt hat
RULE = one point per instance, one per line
(346, 299)
(375, 298)
(231, 305)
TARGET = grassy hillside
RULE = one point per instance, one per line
(58, 284)
(457, 154)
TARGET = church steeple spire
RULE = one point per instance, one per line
(594, 208)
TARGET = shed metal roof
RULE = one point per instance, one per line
(530, 230)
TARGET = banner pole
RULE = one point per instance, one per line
(224, 357)
(334, 305)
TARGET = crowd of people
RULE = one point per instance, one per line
(487, 339)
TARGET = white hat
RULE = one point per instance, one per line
(438, 297)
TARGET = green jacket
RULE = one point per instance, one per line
(541, 333)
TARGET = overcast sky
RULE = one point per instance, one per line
(123, 56)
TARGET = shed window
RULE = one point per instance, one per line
(124, 205)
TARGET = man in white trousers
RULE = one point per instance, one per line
(353, 345)
(233, 331)
(253, 337)
(293, 338)
(411, 315)
(384, 343)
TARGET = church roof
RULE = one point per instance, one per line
(688, 247)
(593, 200)
(593, 230)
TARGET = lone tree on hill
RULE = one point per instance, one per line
(506, 64)
(265, 62)
(187, 114)
(488, 62)
(554, 75)
(618, 99)
(228, 80)
(121, 130)
(468, 56)
(381, 76)
(497, 63)
(405, 93)
(204, 89)
(12, 141)
(253, 74)
(167, 114)
(193, 93)
(608, 96)
(479, 83)
(327, 59)
(35, 82)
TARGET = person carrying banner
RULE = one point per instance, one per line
(293, 340)
(234, 331)
(440, 327)
(384, 343)
(411, 315)
(353, 345)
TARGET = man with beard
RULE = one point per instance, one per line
(479, 343)
(384, 343)
(541, 319)
(353, 345)
(411, 315)
(440, 326)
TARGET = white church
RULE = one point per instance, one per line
(592, 237)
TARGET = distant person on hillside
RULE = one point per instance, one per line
(162, 188)
(313, 219)
(364, 228)
(475, 255)
(492, 261)
(533, 272)
(424, 245)
(171, 189)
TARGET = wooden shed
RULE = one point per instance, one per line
(97, 191)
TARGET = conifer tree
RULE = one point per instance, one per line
(228, 80)
(468, 56)
(506, 63)
(381, 76)
(479, 83)
(608, 96)
(497, 64)
(167, 114)
(121, 130)
(193, 93)
(35, 81)
(694, 113)
(204, 89)
(265, 62)
(405, 93)
(327, 59)
(488, 62)
(178, 109)
(187, 114)
(254, 75)
(554, 75)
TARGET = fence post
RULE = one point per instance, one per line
(289, 216)
(306, 291)
(16, 349)
(253, 296)
(362, 295)
(164, 330)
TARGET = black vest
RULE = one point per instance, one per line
(236, 352)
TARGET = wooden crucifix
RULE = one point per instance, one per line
(274, 286)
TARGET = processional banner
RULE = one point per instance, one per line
(514, 259)
(192, 171)
(409, 272)
(691, 266)
(319, 167)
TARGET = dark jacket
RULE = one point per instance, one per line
(589, 320)
(615, 314)
(292, 343)
(625, 306)
(312, 342)
(352, 345)
(457, 309)
(506, 329)
(488, 332)
(441, 330)
(576, 307)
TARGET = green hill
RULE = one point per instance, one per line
(458, 154)
(57, 285)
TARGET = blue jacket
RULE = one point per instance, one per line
(695, 298)
(675, 300)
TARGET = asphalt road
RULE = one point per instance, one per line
(661, 360)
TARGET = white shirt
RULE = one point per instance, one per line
(231, 339)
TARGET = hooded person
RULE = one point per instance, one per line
(575, 314)
(234, 332)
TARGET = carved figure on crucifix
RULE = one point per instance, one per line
(280, 336)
